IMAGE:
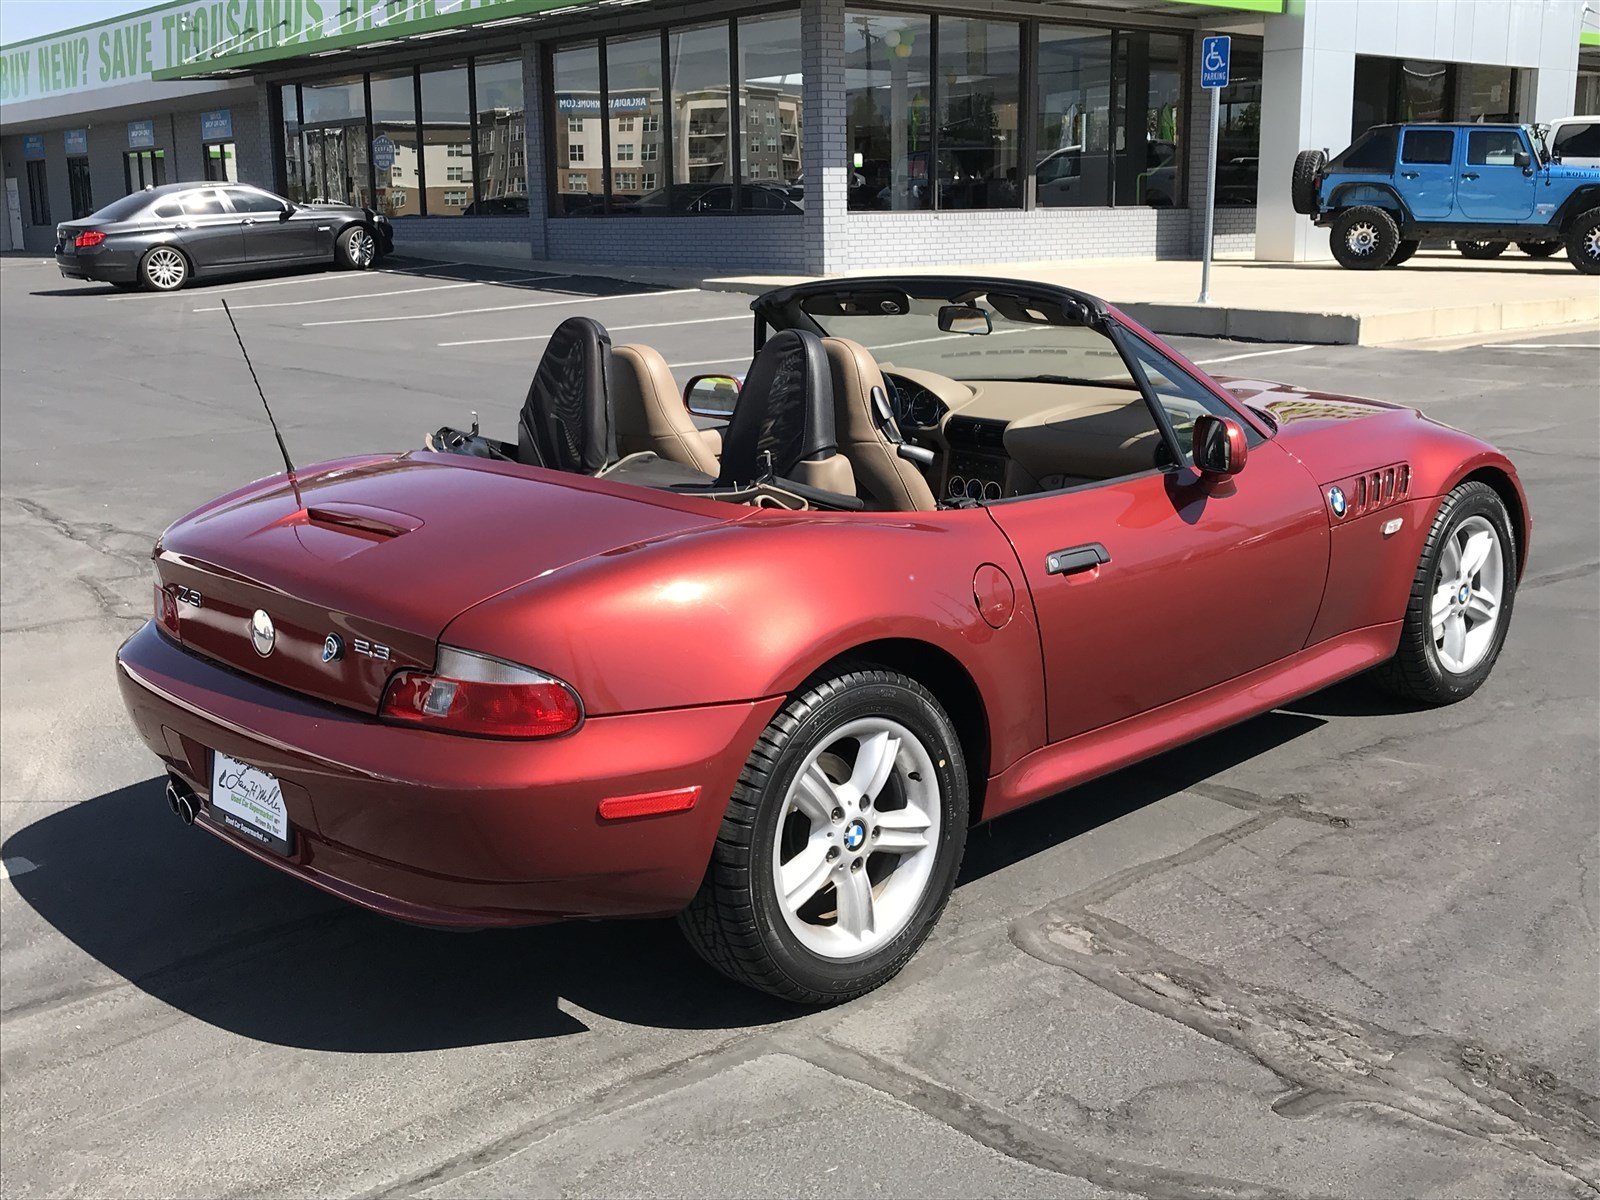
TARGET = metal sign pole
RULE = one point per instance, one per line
(1216, 66)
(1211, 196)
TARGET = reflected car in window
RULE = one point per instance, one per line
(161, 238)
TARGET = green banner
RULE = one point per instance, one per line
(184, 40)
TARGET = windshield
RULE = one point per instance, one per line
(1011, 349)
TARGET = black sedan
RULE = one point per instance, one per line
(163, 237)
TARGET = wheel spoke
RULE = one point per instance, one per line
(856, 914)
(1481, 605)
(874, 762)
(1450, 562)
(1474, 554)
(1442, 599)
(803, 875)
(814, 795)
(1455, 639)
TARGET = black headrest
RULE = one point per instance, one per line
(566, 420)
(785, 410)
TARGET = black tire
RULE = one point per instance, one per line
(737, 922)
(355, 248)
(1583, 242)
(1482, 249)
(1539, 249)
(1308, 165)
(164, 269)
(1364, 238)
(125, 285)
(1402, 252)
(1416, 673)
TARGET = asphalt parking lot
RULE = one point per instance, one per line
(1343, 949)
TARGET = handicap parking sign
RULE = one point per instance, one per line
(1214, 55)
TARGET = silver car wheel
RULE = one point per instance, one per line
(1467, 591)
(361, 247)
(1591, 243)
(165, 268)
(1362, 238)
(857, 839)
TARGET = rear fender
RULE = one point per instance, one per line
(1379, 195)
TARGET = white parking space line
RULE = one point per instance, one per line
(1205, 362)
(708, 362)
(10, 868)
(1544, 346)
(543, 337)
(472, 312)
(432, 287)
(310, 277)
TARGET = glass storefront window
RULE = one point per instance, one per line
(502, 187)
(1075, 113)
(1149, 153)
(1485, 93)
(888, 80)
(1239, 136)
(579, 132)
(1424, 90)
(294, 168)
(634, 109)
(394, 117)
(334, 120)
(702, 134)
(446, 139)
(770, 86)
(222, 162)
(978, 100)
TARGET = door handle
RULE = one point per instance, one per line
(248, 221)
(1469, 174)
(1075, 559)
(1408, 174)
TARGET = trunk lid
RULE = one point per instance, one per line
(387, 551)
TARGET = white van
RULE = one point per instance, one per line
(1575, 141)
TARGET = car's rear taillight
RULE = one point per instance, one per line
(475, 694)
(90, 237)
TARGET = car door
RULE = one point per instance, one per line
(1497, 182)
(1155, 586)
(207, 231)
(1428, 172)
(276, 231)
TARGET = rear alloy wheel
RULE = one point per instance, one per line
(1461, 601)
(1364, 238)
(840, 845)
(1482, 249)
(163, 269)
(1539, 249)
(1404, 251)
(1583, 242)
(356, 248)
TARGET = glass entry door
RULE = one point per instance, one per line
(144, 168)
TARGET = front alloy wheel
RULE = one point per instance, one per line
(1583, 242)
(357, 249)
(840, 844)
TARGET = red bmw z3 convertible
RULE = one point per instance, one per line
(958, 545)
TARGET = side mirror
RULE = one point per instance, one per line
(1220, 448)
(287, 211)
(963, 318)
(711, 395)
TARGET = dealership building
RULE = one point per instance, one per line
(814, 135)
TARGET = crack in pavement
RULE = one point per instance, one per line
(95, 535)
(1017, 1139)
(1327, 1057)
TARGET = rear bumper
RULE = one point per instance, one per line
(107, 267)
(448, 830)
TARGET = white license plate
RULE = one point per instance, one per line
(249, 800)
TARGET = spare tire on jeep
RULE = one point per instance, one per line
(1308, 165)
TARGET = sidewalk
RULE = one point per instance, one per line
(1437, 294)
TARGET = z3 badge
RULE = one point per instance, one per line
(371, 649)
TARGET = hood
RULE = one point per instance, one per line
(385, 553)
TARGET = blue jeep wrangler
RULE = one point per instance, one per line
(1482, 186)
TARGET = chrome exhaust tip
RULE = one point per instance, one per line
(181, 801)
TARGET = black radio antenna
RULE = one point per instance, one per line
(282, 449)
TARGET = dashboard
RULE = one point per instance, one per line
(914, 406)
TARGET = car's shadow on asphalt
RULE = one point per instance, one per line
(233, 943)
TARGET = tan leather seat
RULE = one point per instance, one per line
(883, 478)
(650, 415)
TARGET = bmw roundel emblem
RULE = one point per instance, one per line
(262, 633)
(332, 648)
(855, 833)
(1336, 501)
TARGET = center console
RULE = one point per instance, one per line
(977, 464)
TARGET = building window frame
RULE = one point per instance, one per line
(38, 172)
